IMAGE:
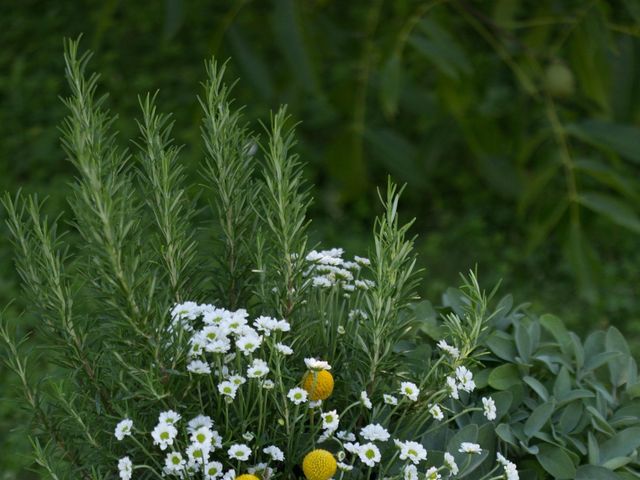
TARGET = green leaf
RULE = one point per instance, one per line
(538, 418)
(619, 366)
(599, 422)
(503, 430)
(501, 344)
(504, 377)
(562, 385)
(594, 449)
(570, 418)
(617, 462)
(427, 319)
(556, 327)
(523, 343)
(620, 445)
(439, 47)
(612, 208)
(556, 461)
(593, 472)
(538, 387)
(622, 139)
(608, 175)
(503, 403)
(591, 363)
(580, 254)
(572, 395)
(390, 84)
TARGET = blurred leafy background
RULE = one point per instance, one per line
(515, 124)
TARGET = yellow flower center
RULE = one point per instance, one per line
(318, 384)
(247, 476)
(319, 465)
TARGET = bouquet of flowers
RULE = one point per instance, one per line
(208, 339)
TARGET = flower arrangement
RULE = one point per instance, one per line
(226, 347)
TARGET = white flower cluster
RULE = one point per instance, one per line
(225, 334)
(463, 381)
(328, 268)
(196, 458)
(510, 470)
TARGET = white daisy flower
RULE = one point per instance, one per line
(346, 436)
(364, 284)
(248, 436)
(202, 436)
(199, 422)
(265, 325)
(351, 447)
(174, 463)
(212, 470)
(365, 262)
(375, 432)
(436, 412)
(228, 389)
(452, 351)
(452, 388)
(230, 475)
(410, 472)
(263, 469)
(211, 333)
(410, 390)
(197, 342)
(412, 451)
(268, 384)
(198, 366)
(125, 468)
(237, 380)
(390, 399)
(345, 467)
(216, 440)
(198, 454)
(284, 349)
(489, 407)
(297, 395)
(236, 321)
(330, 421)
(465, 379)
(248, 344)
(283, 326)
(356, 314)
(369, 454)
(123, 429)
(510, 469)
(222, 345)
(190, 310)
(258, 368)
(471, 448)
(169, 417)
(432, 474)
(364, 398)
(163, 435)
(239, 451)
(313, 364)
(450, 463)
(275, 453)
(320, 281)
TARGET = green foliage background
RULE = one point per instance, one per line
(514, 123)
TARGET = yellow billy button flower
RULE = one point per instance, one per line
(318, 384)
(247, 476)
(319, 465)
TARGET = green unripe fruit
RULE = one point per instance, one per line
(559, 80)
